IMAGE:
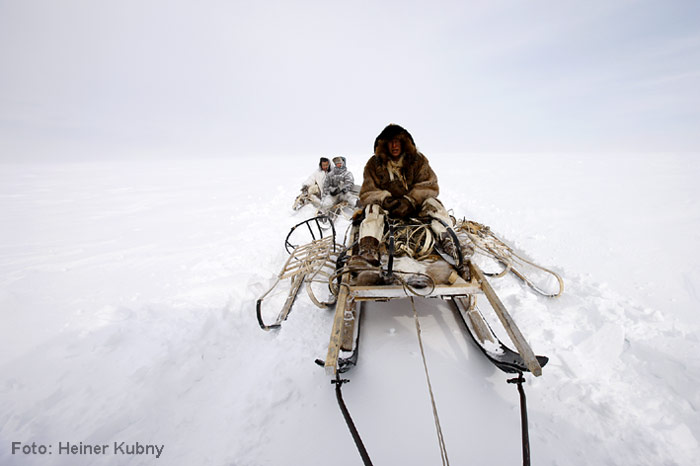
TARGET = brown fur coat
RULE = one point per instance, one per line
(419, 181)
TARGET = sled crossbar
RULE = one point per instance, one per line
(385, 293)
(349, 295)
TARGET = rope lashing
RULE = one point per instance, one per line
(411, 240)
(438, 428)
(488, 243)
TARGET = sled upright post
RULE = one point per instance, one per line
(508, 323)
(331, 362)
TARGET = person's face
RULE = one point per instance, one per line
(339, 164)
(395, 147)
(324, 165)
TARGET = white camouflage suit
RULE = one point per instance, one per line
(338, 185)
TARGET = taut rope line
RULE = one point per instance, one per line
(438, 428)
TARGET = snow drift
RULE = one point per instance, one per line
(127, 296)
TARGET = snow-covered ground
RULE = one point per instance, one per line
(127, 297)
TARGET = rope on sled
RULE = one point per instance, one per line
(438, 428)
(410, 289)
(335, 282)
(484, 239)
(415, 241)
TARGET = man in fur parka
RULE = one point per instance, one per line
(398, 182)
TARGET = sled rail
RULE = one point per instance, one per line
(386, 293)
(343, 304)
(507, 321)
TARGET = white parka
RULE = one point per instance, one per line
(317, 178)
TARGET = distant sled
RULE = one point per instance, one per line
(342, 209)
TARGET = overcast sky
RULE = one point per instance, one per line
(104, 78)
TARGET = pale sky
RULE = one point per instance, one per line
(103, 78)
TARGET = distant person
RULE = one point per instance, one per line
(312, 189)
(399, 183)
(338, 186)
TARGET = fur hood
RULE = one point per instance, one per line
(340, 159)
(339, 177)
(417, 180)
(408, 146)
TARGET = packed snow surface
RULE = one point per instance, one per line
(127, 298)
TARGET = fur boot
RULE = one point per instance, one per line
(367, 254)
(369, 278)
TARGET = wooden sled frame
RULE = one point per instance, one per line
(309, 263)
(345, 330)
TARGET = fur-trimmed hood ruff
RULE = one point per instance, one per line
(409, 175)
(393, 131)
(339, 159)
